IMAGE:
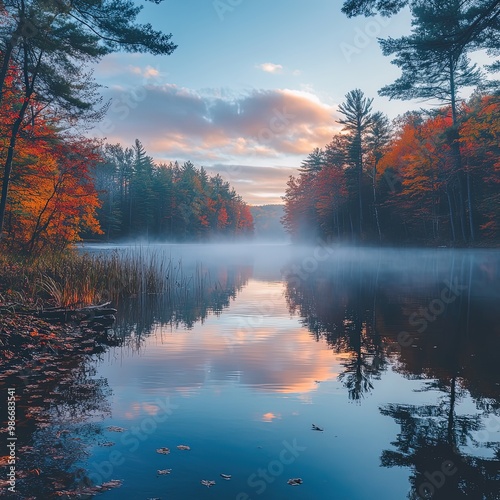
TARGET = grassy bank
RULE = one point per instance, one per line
(72, 279)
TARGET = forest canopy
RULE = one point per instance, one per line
(400, 182)
(165, 201)
(46, 89)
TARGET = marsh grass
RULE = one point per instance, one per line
(73, 279)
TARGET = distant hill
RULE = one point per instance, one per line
(267, 223)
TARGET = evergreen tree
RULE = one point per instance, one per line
(314, 162)
(378, 139)
(142, 196)
(166, 201)
(432, 70)
(357, 120)
(163, 187)
(479, 27)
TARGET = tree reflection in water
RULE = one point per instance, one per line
(59, 403)
(452, 446)
(206, 290)
(62, 401)
(336, 303)
(439, 446)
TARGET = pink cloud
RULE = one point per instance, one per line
(272, 127)
(265, 122)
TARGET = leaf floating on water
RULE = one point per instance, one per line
(227, 477)
(163, 451)
(316, 428)
(207, 483)
(114, 428)
(107, 443)
(295, 481)
(114, 483)
(164, 472)
(183, 447)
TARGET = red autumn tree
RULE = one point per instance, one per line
(480, 143)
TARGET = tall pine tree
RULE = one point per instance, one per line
(357, 112)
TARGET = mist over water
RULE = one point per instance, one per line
(402, 266)
(348, 338)
(393, 353)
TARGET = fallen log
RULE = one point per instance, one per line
(98, 317)
(107, 319)
(100, 313)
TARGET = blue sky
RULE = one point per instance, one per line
(252, 88)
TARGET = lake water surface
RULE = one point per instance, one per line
(393, 354)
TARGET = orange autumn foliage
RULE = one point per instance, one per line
(480, 142)
(55, 198)
(222, 218)
(52, 198)
(422, 161)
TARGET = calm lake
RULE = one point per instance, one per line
(366, 373)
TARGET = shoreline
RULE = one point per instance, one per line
(40, 358)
